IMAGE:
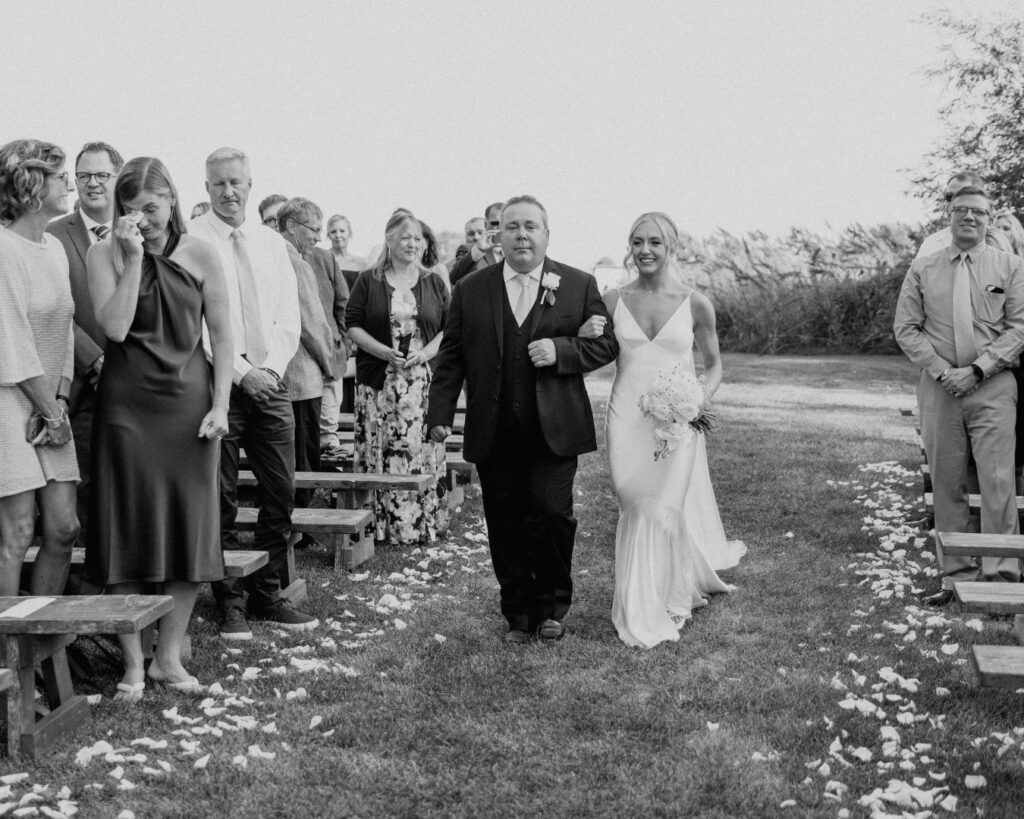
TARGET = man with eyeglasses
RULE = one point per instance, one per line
(960, 318)
(268, 209)
(486, 251)
(96, 169)
(265, 324)
(321, 347)
(941, 238)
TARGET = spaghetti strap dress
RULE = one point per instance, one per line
(154, 506)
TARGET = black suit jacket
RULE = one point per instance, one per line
(464, 266)
(471, 352)
(89, 337)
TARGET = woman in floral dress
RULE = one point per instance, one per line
(395, 316)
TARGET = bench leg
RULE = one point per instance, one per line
(67, 711)
(293, 587)
(12, 697)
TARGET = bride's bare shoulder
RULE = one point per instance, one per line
(611, 298)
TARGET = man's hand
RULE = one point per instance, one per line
(438, 434)
(960, 382)
(258, 384)
(542, 352)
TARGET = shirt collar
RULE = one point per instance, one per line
(222, 228)
(973, 252)
(90, 223)
(508, 273)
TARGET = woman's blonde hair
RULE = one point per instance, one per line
(395, 224)
(24, 166)
(1015, 234)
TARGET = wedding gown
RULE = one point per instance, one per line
(669, 539)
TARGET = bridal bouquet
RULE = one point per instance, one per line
(674, 405)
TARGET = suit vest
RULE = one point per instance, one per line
(518, 375)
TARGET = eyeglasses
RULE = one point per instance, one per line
(102, 177)
(314, 230)
(977, 213)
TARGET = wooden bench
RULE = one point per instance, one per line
(973, 544)
(346, 527)
(990, 598)
(999, 666)
(34, 632)
(973, 502)
(453, 443)
(461, 473)
(237, 563)
(347, 422)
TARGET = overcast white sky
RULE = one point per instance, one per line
(742, 115)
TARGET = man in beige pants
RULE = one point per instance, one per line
(960, 318)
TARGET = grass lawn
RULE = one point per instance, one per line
(818, 687)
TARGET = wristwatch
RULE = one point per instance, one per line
(978, 372)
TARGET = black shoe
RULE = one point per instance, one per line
(517, 636)
(234, 626)
(283, 615)
(551, 630)
(940, 598)
(306, 542)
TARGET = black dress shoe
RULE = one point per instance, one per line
(517, 636)
(551, 630)
(940, 598)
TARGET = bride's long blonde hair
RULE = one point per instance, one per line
(669, 235)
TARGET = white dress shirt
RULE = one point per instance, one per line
(939, 240)
(512, 285)
(91, 223)
(275, 281)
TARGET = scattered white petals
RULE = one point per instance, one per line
(440, 638)
(202, 762)
(315, 721)
(713, 726)
(974, 782)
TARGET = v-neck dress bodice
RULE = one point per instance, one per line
(669, 540)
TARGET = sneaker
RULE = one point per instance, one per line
(283, 615)
(234, 626)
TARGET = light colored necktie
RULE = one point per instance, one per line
(524, 302)
(101, 232)
(255, 344)
(963, 320)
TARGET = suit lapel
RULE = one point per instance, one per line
(539, 307)
(497, 294)
(79, 235)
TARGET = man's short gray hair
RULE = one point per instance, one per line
(297, 209)
(525, 199)
(227, 155)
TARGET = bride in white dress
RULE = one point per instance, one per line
(669, 540)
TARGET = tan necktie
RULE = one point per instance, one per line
(255, 344)
(524, 302)
(963, 320)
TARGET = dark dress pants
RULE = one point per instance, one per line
(307, 443)
(267, 431)
(527, 494)
(81, 429)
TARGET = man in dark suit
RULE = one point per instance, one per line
(511, 337)
(485, 250)
(96, 169)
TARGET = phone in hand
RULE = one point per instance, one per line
(35, 427)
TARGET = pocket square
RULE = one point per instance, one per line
(991, 288)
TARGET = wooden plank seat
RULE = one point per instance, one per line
(346, 527)
(990, 598)
(347, 421)
(978, 545)
(453, 443)
(974, 502)
(34, 632)
(972, 480)
(237, 563)
(999, 666)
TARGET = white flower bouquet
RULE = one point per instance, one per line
(676, 405)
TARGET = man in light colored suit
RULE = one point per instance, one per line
(960, 318)
(300, 222)
(96, 169)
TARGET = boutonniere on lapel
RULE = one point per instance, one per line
(549, 281)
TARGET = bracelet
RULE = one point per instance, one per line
(54, 423)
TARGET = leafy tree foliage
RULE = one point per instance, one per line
(983, 69)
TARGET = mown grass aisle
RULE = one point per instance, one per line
(802, 694)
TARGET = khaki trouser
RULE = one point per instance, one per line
(984, 423)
